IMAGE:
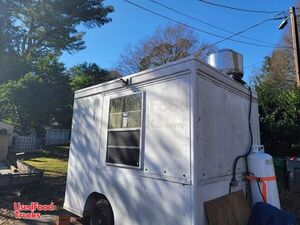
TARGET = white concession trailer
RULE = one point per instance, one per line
(152, 147)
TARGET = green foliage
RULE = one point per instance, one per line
(45, 96)
(37, 99)
(39, 27)
(88, 74)
(35, 90)
(279, 102)
(14, 99)
(32, 29)
(279, 108)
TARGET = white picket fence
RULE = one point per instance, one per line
(25, 143)
(57, 136)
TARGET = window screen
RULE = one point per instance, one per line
(124, 130)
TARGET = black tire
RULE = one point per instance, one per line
(102, 213)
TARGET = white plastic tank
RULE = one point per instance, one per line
(262, 172)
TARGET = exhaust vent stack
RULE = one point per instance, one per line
(228, 62)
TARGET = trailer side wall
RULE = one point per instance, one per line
(160, 191)
(222, 133)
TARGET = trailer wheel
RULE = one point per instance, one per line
(102, 213)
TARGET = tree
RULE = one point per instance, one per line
(165, 45)
(279, 105)
(38, 99)
(34, 87)
(30, 29)
(279, 108)
(279, 100)
(23, 101)
(88, 74)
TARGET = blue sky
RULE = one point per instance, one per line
(130, 24)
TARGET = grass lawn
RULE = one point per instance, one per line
(53, 163)
(61, 150)
(50, 165)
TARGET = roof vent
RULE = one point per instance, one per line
(228, 62)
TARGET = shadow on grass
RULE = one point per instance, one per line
(36, 160)
(50, 164)
(34, 156)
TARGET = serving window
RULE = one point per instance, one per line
(124, 130)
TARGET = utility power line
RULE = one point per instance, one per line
(252, 65)
(242, 31)
(206, 32)
(240, 9)
(206, 23)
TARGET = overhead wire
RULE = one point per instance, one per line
(253, 64)
(241, 9)
(206, 32)
(243, 31)
(233, 180)
(206, 23)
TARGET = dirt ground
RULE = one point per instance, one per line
(52, 189)
(291, 203)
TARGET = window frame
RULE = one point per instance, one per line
(140, 129)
